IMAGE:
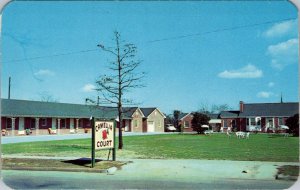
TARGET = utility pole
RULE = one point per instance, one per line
(9, 81)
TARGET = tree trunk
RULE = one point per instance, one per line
(120, 111)
(120, 126)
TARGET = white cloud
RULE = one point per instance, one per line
(284, 53)
(271, 84)
(281, 29)
(44, 72)
(249, 71)
(88, 88)
(264, 94)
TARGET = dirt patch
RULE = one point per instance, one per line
(287, 172)
(81, 164)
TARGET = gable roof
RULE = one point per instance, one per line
(27, 108)
(270, 109)
(149, 111)
(128, 112)
(183, 115)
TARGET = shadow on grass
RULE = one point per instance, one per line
(86, 162)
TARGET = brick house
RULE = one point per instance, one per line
(258, 116)
(185, 121)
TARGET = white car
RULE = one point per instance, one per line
(170, 127)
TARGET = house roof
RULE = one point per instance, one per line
(182, 115)
(229, 114)
(270, 109)
(147, 111)
(264, 110)
(128, 112)
(27, 108)
(213, 115)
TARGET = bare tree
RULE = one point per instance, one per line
(124, 77)
(47, 97)
(214, 108)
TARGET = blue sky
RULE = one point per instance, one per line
(194, 53)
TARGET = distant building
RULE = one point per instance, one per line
(43, 117)
(185, 120)
(258, 116)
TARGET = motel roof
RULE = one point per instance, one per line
(27, 108)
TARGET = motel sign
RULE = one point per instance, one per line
(104, 135)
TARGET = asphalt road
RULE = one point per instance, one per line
(73, 180)
(33, 138)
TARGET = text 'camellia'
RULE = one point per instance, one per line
(104, 135)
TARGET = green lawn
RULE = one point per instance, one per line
(259, 147)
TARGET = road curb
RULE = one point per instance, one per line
(90, 170)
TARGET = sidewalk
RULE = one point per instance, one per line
(191, 170)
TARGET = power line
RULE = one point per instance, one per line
(160, 40)
(48, 56)
(220, 30)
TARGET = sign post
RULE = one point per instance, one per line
(103, 137)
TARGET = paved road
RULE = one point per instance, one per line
(31, 138)
(159, 174)
(69, 180)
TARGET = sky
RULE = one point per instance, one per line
(195, 53)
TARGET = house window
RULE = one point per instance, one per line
(186, 124)
(251, 121)
(225, 124)
(280, 121)
(258, 120)
(136, 123)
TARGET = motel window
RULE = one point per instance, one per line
(43, 122)
(8, 123)
(186, 124)
(63, 123)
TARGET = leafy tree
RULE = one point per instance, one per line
(169, 119)
(198, 120)
(293, 124)
(124, 77)
(176, 114)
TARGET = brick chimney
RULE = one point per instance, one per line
(241, 106)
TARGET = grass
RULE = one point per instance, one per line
(260, 147)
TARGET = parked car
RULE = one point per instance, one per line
(170, 128)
